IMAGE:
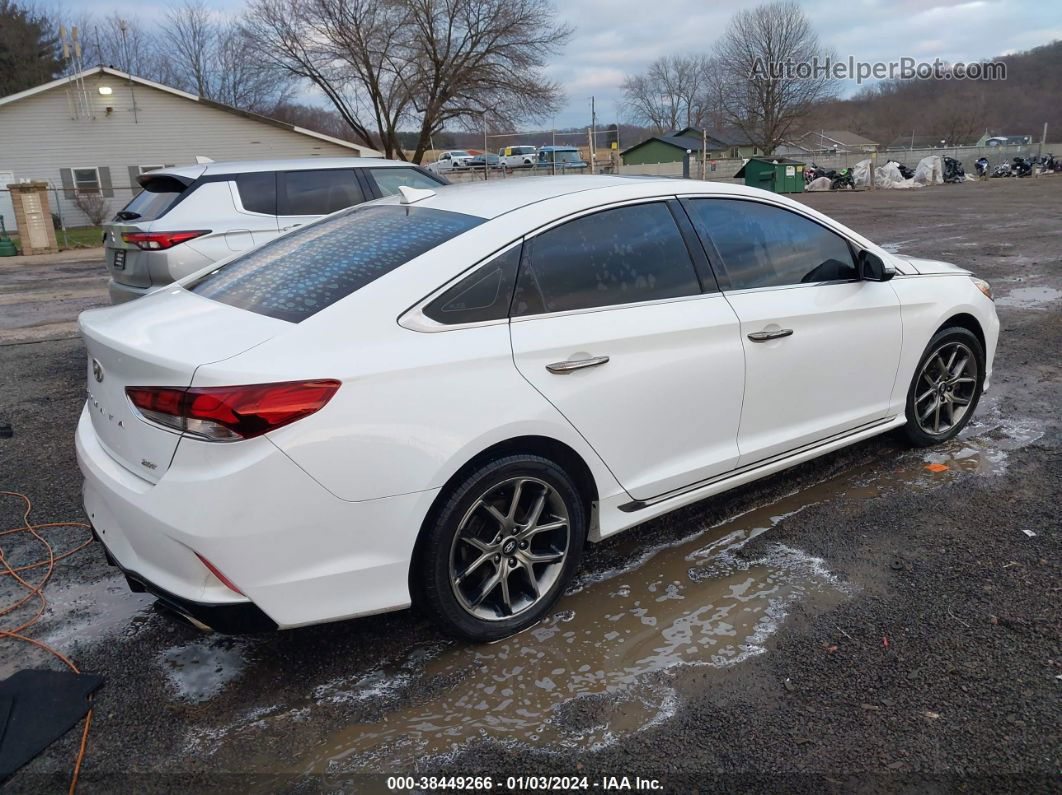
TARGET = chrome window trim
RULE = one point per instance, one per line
(614, 307)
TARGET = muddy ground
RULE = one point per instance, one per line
(866, 621)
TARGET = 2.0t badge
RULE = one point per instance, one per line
(97, 371)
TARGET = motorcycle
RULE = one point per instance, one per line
(953, 170)
(1002, 170)
(905, 172)
(1021, 167)
(982, 166)
(839, 180)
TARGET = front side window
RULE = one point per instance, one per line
(389, 180)
(319, 192)
(619, 256)
(484, 295)
(86, 180)
(763, 246)
(301, 273)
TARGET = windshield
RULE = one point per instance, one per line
(567, 157)
(301, 273)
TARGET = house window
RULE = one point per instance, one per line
(87, 180)
(146, 169)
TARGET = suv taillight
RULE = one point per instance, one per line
(231, 413)
(156, 241)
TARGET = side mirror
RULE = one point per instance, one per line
(872, 268)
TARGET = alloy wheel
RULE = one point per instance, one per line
(946, 387)
(509, 549)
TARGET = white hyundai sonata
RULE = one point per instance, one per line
(439, 398)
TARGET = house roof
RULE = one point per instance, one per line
(690, 138)
(364, 151)
(728, 137)
(827, 139)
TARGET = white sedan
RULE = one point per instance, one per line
(439, 398)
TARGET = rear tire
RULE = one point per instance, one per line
(502, 548)
(946, 387)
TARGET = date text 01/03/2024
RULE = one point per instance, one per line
(524, 783)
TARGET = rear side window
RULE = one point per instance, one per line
(764, 246)
(303, 272)
(619, 256)
(159, 194)
(483, 295)
(318, 192)
(258, 191)
(389, 180)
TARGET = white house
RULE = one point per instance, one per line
(96, 131)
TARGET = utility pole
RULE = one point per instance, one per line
(704, 154)
(590, 135)
(593, 134)
(486, 165)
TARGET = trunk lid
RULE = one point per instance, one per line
(158, 340)
(126, 263)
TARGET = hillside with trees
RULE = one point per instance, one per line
(957, 111)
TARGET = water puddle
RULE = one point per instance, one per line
(600, 667)
(199, 671)
(1029, 297)
(82, 612)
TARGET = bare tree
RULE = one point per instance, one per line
(421, 63)
(759, 97)
(672, 93)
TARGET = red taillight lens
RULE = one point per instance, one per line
(156, 241)
(231, 413)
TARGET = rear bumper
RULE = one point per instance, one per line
(120, 293)
(234, 619)
(298, 553)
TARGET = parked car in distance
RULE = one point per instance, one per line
(491, 159)
(451, 160)
(188, 217)
(518, 156)
(441, 397)
(560, 157)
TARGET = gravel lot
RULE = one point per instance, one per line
(860, 622)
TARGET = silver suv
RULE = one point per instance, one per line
(188, 217)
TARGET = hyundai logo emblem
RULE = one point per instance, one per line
(97, 371)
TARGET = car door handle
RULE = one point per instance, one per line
(763, 336)
(560, 368)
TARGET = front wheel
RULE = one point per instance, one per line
(946, 387)
(502, 548)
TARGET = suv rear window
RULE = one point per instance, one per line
(159, 194)
(303, 272)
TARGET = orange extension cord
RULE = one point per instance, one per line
(36, 591)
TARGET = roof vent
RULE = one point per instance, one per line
(411, 195)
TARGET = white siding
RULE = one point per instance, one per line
(38, 136)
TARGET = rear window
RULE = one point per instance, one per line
(154, 201)
(303, 272)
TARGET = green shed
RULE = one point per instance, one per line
(777, 174)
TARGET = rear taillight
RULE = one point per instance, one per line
(231, 413)
(156, 241)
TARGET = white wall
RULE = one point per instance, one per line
(38, 136)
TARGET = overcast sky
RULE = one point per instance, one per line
(618, 37)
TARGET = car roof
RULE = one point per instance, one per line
(494, 197)
(285, 164)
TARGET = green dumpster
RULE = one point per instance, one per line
(777, 174)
